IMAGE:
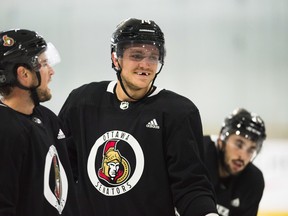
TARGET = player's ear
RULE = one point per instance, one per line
(22, 73)
(219, 143)
(115, 59)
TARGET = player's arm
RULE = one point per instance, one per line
(66, 118)
(11, 156)
(191, 188)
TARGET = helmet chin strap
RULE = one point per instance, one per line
(34, 94)
(118, 72)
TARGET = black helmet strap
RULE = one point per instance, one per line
(35, 96)
(33, 91)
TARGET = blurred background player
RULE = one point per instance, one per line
(35, 173)
(238, 183)
(134, 146)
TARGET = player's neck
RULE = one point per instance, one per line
(20, 101)
(134, 94)
(223, 172)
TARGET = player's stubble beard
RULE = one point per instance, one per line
(131, 87)
(43, 94)
(224, 165)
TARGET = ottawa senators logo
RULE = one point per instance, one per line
(115, 163)
(8, 41)
(115, 168)
(55, 180)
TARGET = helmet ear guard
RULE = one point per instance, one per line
(246, 124)
(4, 78)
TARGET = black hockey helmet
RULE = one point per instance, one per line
(19, 47)
(246, 124)
(138, 31)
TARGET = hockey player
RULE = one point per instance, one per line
(238, 183)
(134, 145)
(35, 173)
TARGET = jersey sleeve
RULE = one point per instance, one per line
(64, 116)
(11, 156)
(252, 195)
(192, 191)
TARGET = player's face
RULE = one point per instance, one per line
(238, 152)
(139, 65)
(46, 72)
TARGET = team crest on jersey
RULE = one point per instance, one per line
(115, 168)
(55, 180)
(115, 163)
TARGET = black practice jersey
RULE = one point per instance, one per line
(136, 158)
(34, 166)
(236, 195)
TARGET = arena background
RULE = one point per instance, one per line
(221, 54)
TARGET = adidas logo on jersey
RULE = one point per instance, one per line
(152, 124)
(61, 135)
